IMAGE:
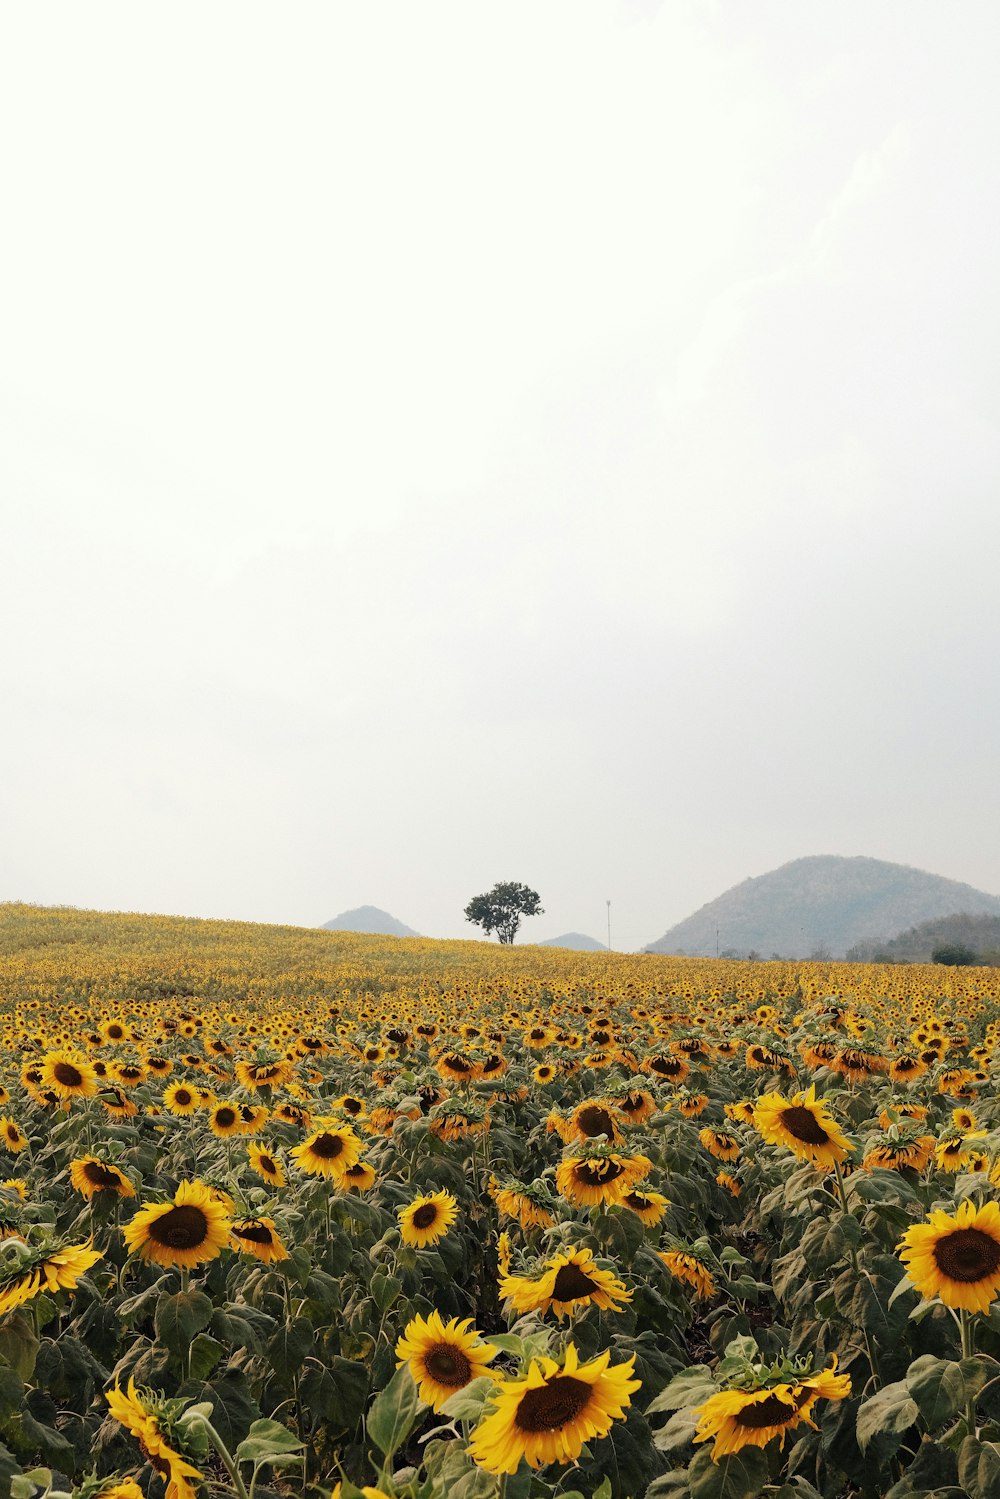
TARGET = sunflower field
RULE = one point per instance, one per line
(302, 1213)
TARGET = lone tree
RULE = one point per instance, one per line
(500, 909)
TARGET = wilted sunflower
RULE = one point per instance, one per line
(68, 1076)
(686, 1265)
(592, 1118)
(596, 1178)
(257, 1236)
(273, 1074)
(956, 1257)
(568, 1281)
(528, 1203)
(752, 1418)
(443, 1356)
(803, 1125)
(190, 1230)
(548, 1415)
(905, 1068)
(90, 1175)
(953, 1153)
(266, 1164)
(426, 1219)
(732, 1186)
(151, 1419)
(636, 1105)
(647, 1206)
(720, 1143)
(894, 1151)
(28, 1269)
(328, 1151)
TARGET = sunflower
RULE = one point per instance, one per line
(181, 1098)
(906, 1068)
(16, 1184)
(752, 1418)
(115, 1103)
(569, 1281)
(956, 1257)
(893, 1152)
(91, 1175)
(443, 1356)
(527, 1203)
(671, 1069)
(720, 1143)
(456, 1065)
(28, 1269)
(68, 1076)
(692, 1104)
(804, 1126)
(953, 1153)
(12, 1137)
(732, 1186)
(189, 1231)
(224, 1121)
(596, 1179)
(275, 1074)
(328, 1151)
(545, 1073)
(636, 1105)
(359, 1178)
(257, 1236)
(547, 1416)
(426, 1219)
(647, 1206)
(592, 1118)
(149, 1418)
(266, 1164)
(687, 1266)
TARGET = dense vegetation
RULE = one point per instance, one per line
(290, 1212)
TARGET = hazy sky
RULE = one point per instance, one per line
(444, 443)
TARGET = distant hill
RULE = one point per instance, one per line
(820, 905)
(369, 919)
(979, 933)
(576, 941)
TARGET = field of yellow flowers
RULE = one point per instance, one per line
(301, 1213)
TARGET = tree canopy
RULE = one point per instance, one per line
(500, 909)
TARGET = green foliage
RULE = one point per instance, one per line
(500, 909)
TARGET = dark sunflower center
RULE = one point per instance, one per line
(555, 1404)
(571, 1282)
(182, 1096)
(265, 1074)
(267, 1163)
(225, 1117)
(770, 1412)
(666, 1066)
(594, 1120)
(631, 1103)
(493, 1063)
(115, 1032)
(101, 1177)
(256, 1233)
(638, 1202)
(458, 1064)
(425, 1215)
(67, 1074)
(967, 1255)
(599, 1174)
(183, 1227)
(448, 1365)
(328, 1147)
(803, 1124)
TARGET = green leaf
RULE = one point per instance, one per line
(979, 1468)
(269, 1442)
(467, 1403)
(289, 1348)
(738, 1475)
(394, 1413)
(338, 1393)
(942, 1386)
(205, 1355)
(385, 1289)
(18, 1344)
(690, 1387)
(11, 1390)
(180, 1317)
(892, 1410)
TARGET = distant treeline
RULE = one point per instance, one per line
(978, 935)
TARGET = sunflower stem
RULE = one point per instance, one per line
(225, 1456)
(968, 1349)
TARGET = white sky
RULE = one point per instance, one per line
(443, 443)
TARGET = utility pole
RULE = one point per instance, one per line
(608, 904)
(716, 941)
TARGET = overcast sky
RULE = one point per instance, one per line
(453, 442)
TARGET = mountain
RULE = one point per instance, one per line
(576, 941)
(980, 933)
(820, 905)
(369, 919)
